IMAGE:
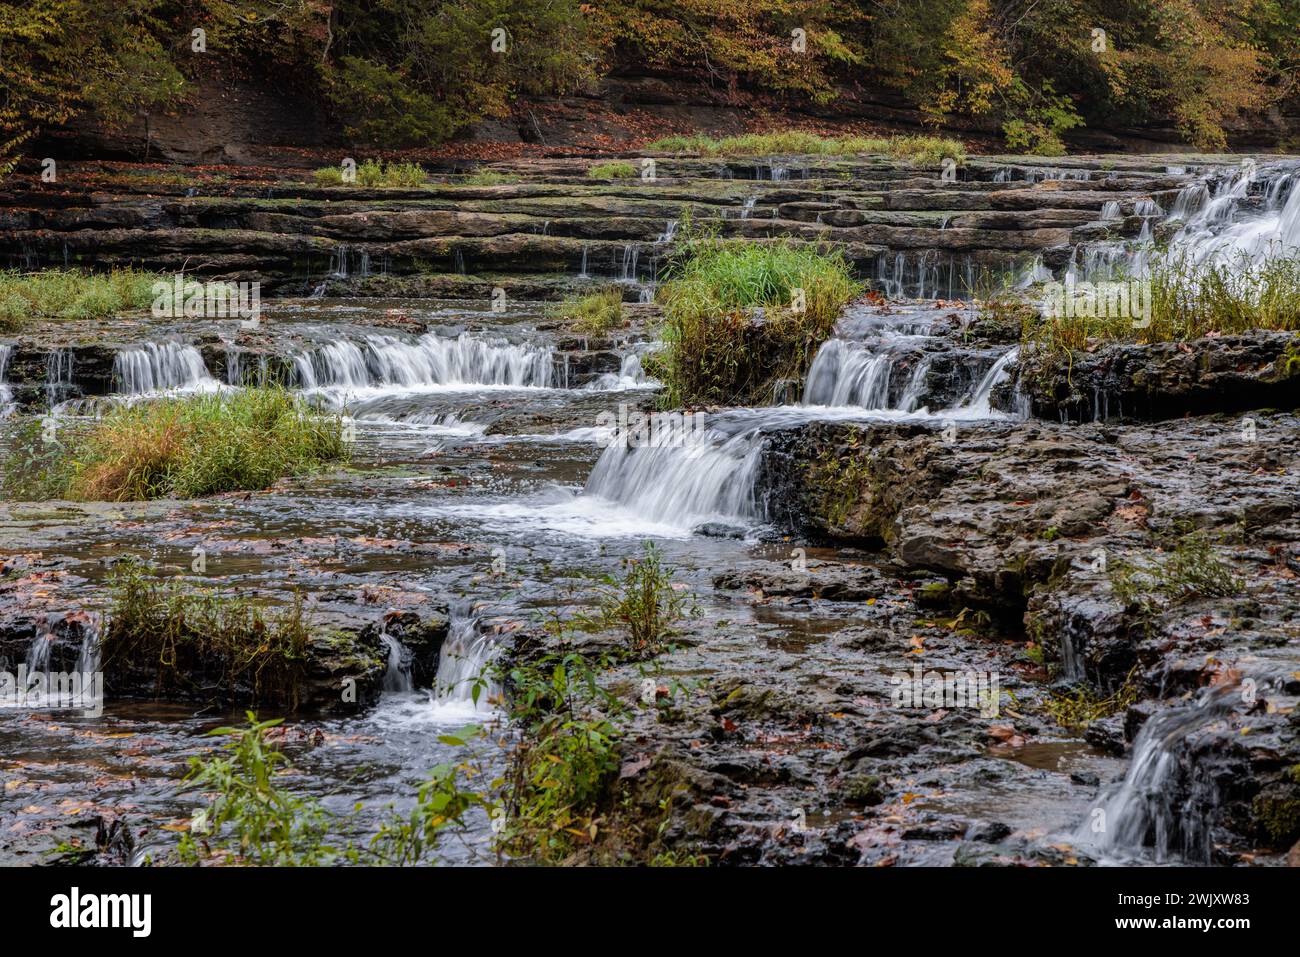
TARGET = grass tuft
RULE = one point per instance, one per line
(595, 314)
(920, 150)
(374, 173)
(719, 350)
(616, 170)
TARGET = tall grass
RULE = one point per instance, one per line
(921, 150)
(201, 445)
(718, 349)
(595, 314)
(374, 173)
(72, 294)
(1188, 300)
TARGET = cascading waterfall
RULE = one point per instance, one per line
(160, 366)
(6, 394)
(397, 677)
(58, 376)
(1160, 805)
(691, 476)
(429, 361)
(848, 373)
(1217, 231)
(463, 663)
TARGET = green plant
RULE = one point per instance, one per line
(614, 170)
(1190, 569)
(372, 173)
(921, 150)
(186, 636)
(643, 604)
(72, 294)
(250, 819)
(719, 349)
(594, 314)
(488, 177)
(200, 445)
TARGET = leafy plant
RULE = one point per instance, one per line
(644, 604)
(594, 314)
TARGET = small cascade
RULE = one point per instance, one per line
(1110, 210)
(915, 390)
(1160, 806)
(1224, 226)
(156, 367)
(582, 270)
(848, 373)
(6, 394)
(58, 376)
(630, 375)
(463, 663)
(669, 233)
(747, 210)
(925, 274)
(39, 652)
(339, 262)
(397, 678)
(980, 402)
(431, 360)
(631, 253)
(687, 478)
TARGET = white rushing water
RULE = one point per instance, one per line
(432, 361)
(161, 367)
(1158, 810)
(6, 394)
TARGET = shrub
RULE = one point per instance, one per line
(618, 170)
(595, 314)
(718, 349)
(643, 604)
(202, 445)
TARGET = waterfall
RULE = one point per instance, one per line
(630, 375)
(397, 678)
(688, 479)
(1161, 803)
(845, 373)
(6, 394)
(463, 660)
(980, 400)
(155, 367)
(58, 376)
(1216, 231)
(431, 360)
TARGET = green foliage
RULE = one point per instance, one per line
(72, 294)
(1190, 569)
(251, 820)
(595, 314)
(1077, 709)
(644, 604)
(164, 626)
(1188, 300)
(717, 351)
(615, 170)
(922, 150)
(200, 445)
(373, 173)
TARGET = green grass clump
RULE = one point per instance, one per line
(595, 314)
(618, 170)
(183, 448)
(920, 150)
(488, 177)
(72, 294)
(716, 352)
(1076, 710)
(187, 637)
(1188, 300)
(374, 173)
